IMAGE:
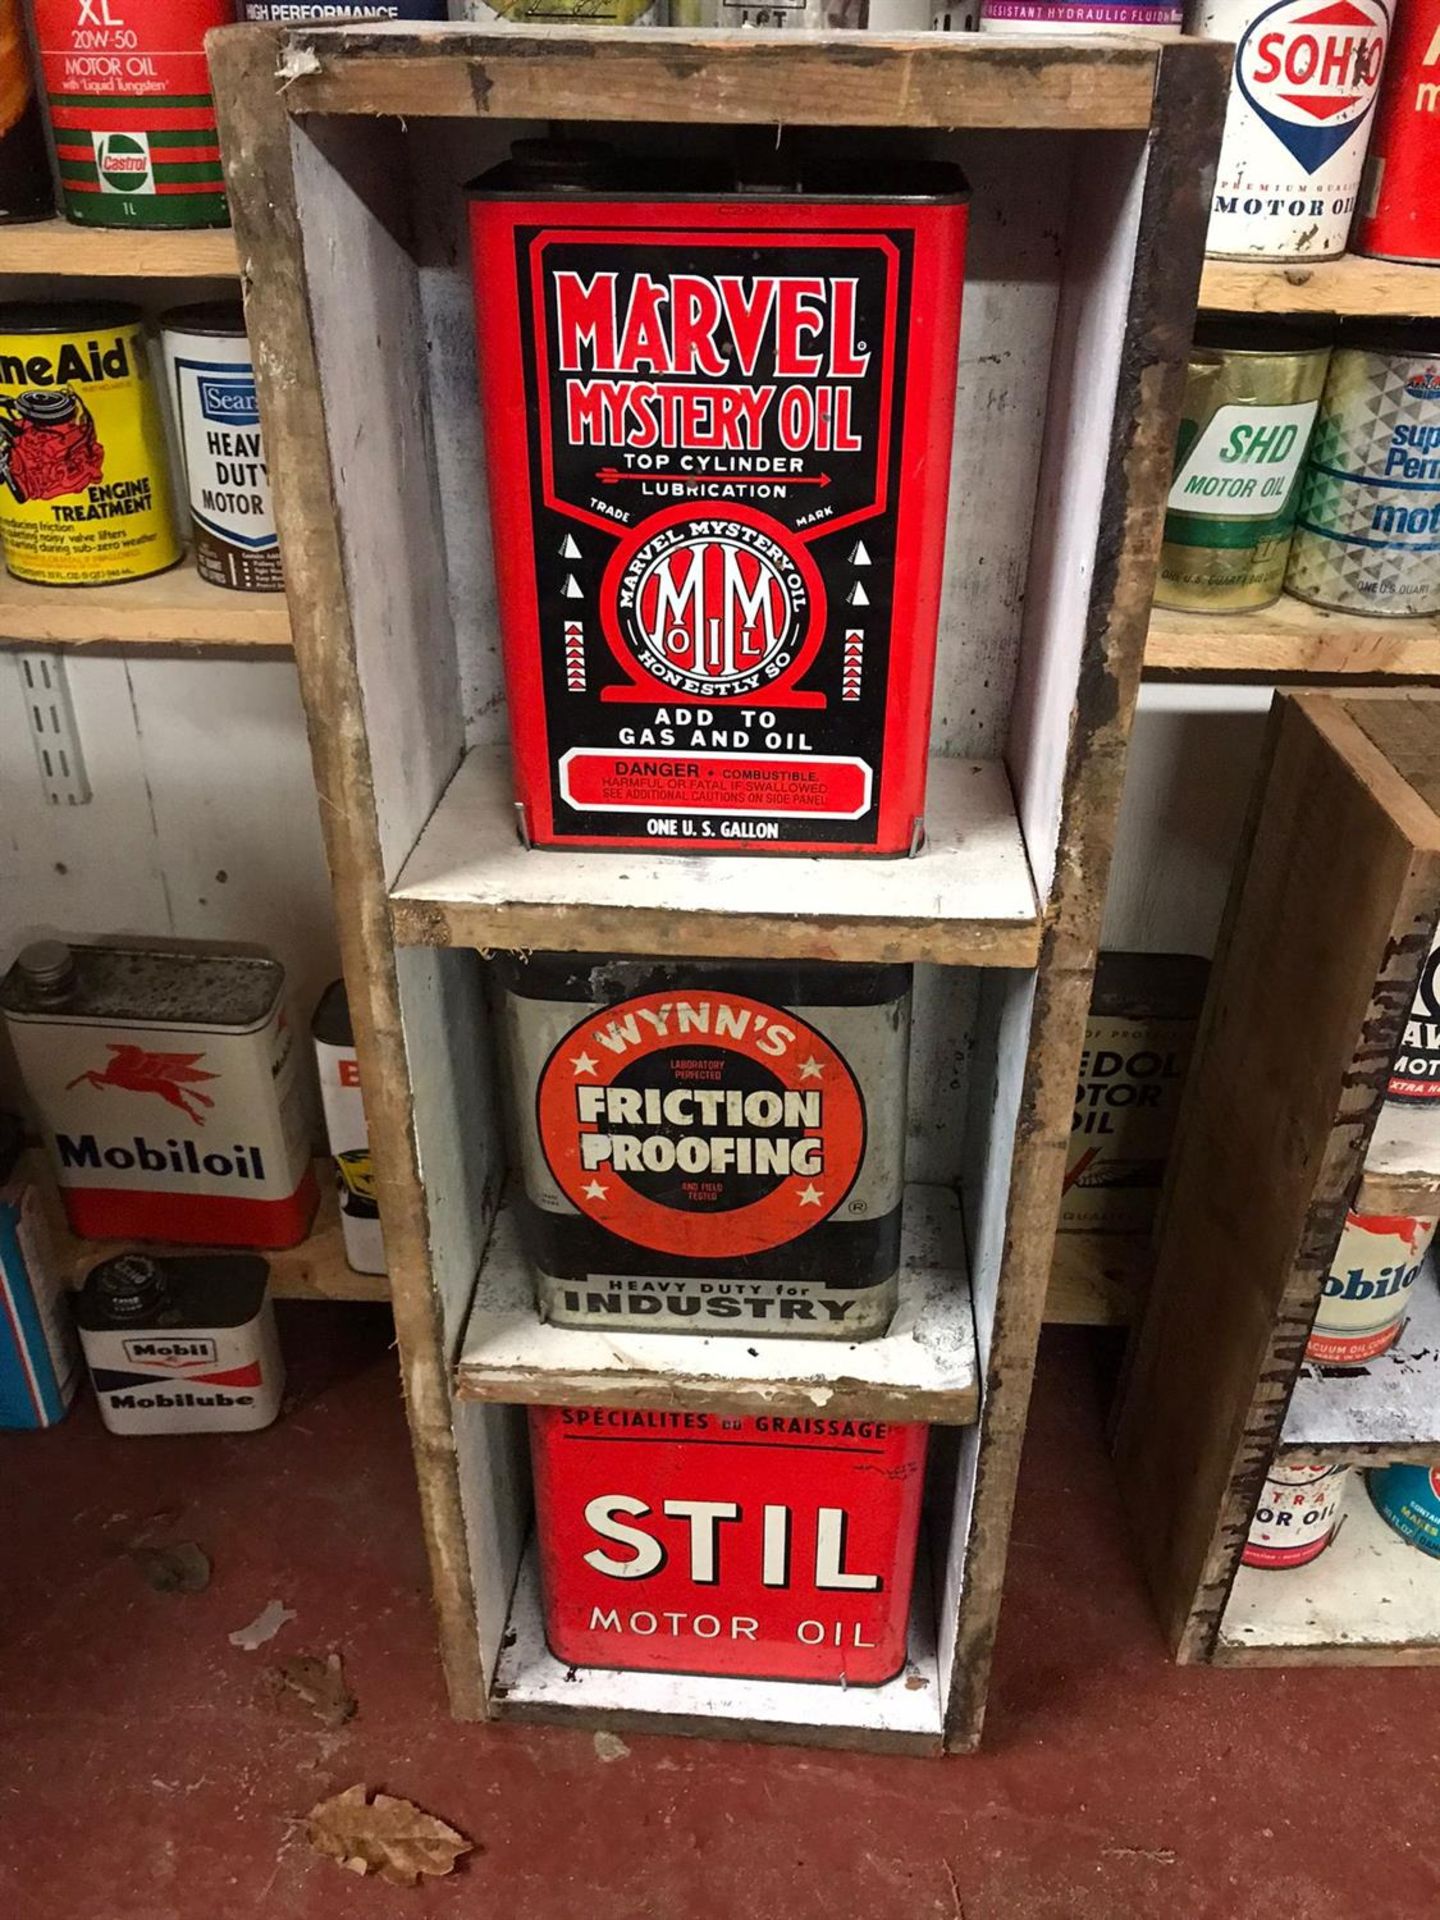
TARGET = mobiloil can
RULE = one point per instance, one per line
(166, 1085)
(718, 427)
(1368, 1288)
(1399, 217)
(39, 1358)
(346, 1130)
(181, 1345)
(25, 189)
(710, 1147)
(1251, 397)
(1299, 1508)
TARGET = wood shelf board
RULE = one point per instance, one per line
(965, 899)
(1097, 1279)
(61, 248)
(902, 1716)
(1370, 288)
(923, 1368)
(1386, 1409)
(1400, 1175)
(166, 612)
(1289, 639)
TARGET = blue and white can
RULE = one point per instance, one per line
(1408, 1499)
(39, 1351)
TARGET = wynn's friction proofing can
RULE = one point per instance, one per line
(1399, 217)
(718, 427)
(711, 1147)
(84, 492)
(775, 1546)
(1367, 1290)
(1299, 1506)
(1297, 123)
(166, 1086)
(1251, 397)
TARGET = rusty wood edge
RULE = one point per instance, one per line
(769, 1733)
(848, 1399)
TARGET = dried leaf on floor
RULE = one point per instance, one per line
(181, 1568)
(309, 1684)
(386, 1836)
(266, 1624)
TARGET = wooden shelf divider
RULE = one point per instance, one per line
(58, 249)
(1350, 285)
(171, 612)
(1292, 639)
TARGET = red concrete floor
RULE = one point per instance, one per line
(145, 1775)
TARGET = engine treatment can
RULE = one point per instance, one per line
(718, 427)
(1399, 217)
(39, 1359)
(1367, 535)
(1154, 18)
(773, 1546)
(1299, 1506)
(84, 491)
(128, 88)
(1297, 122)
(346, 1130)
(166, 1085)
(1251, 397)
(212, 388)
(25, 189)
(1408, 1499)
(711, 1147)
(1367, 1290)
(181, 1345)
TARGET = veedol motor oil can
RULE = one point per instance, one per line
(1367, 1289)
(25, 189)
(1408, 1499)
(1297, 122)
(1299, 1506)
(1251, 397)
(39, 1360)
(346, 1130)
(1399, 217)
(181, 1345)
(710, 1147)
(1367, 535)
(212, 387)
(166, 1085)
(128, 88)
(771, 1546)
(718, 428)
(84, 491)
(1154, 18)
(1414, 1084)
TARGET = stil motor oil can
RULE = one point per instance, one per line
(772, 1546)
(718, 427)
(166, 1084)
(710, 1147)
(1399, 217)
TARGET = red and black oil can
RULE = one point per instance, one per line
(718, 427)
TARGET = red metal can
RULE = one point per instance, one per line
(778, 1547)
(1399, 213)
(718, 427)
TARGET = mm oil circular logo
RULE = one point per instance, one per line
(707, 1124)
(123, 162)
(1311, 72)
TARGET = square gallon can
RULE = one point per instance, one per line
(718, 423)
(773, 1546)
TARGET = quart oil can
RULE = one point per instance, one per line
(1367, 1290)
(1414, 1084)
(771, 1546)
(718, 427)
(1407, 1498)
(1297, 1515)
(710, 1147)
(166, 1086)
(1399, 217)
(25, 189)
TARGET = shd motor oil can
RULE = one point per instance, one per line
(718, 427)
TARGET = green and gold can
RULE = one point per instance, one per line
(1251, 397)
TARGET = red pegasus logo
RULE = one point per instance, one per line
(171, 1075)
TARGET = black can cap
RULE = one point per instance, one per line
(12, 1143)
(67, 316)
(1420, 339)
(548, 164)
(129, 1286)
(224, 318)
(1275, 337)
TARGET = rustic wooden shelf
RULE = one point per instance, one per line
(1396, 1178)
(1097, 1279)
(166, 613)
(60, 249)
(1370, 288)
(1388, 1409)
(1289, 639)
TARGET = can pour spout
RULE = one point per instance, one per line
(50, 975)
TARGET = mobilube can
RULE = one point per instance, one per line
(212, 387)
(84, 492)
(1399, 217)
(25, 190)
(1299, 1506)
(1367, 535)
(128, 88)
(771, 1546)
(1408, 1499)
(1298, 119)
(39, 1360)
(718, 428)
(1251, 398)
(711, 1147)
(1150, 17)
(346, 1130)
(1362, 1306)
(166, 1086)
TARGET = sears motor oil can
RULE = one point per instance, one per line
(718, 427)
(39, 1358)
(770, 1546)
(710, 1147)
(166, 1086)
(346, 1130)
(1399, 217)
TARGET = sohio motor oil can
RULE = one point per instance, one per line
(710, 1147)
(346, 1130)
(181, 1345)
(776, 1547)
(1399, 217)
(25, 190)
(166, 1087)
(1367, 1289)
(39, 1359)
(718, 428)
(1297, 124)
(1299, 1507)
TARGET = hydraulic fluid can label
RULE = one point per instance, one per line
(1367, 1290)
(1295, 1521)
(1399, 216)
(1150, 17)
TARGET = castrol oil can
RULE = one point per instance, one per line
(166, 1086)
(710, 1147)
(1399, 217)
(777, 1547)
(718, 427)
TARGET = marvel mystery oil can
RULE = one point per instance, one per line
(39, 1358)
(346, 1130)
(25, 189)
(1298, 120)
(212, 389)
(1399, 217)
(1251, 397)
(166, 1087)
(718, 428)
(128, 89)
(84, 492)
(771, 1546)
(1299, 1507)
(1367, 1290)
(710, 1147)
(1367, 535)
